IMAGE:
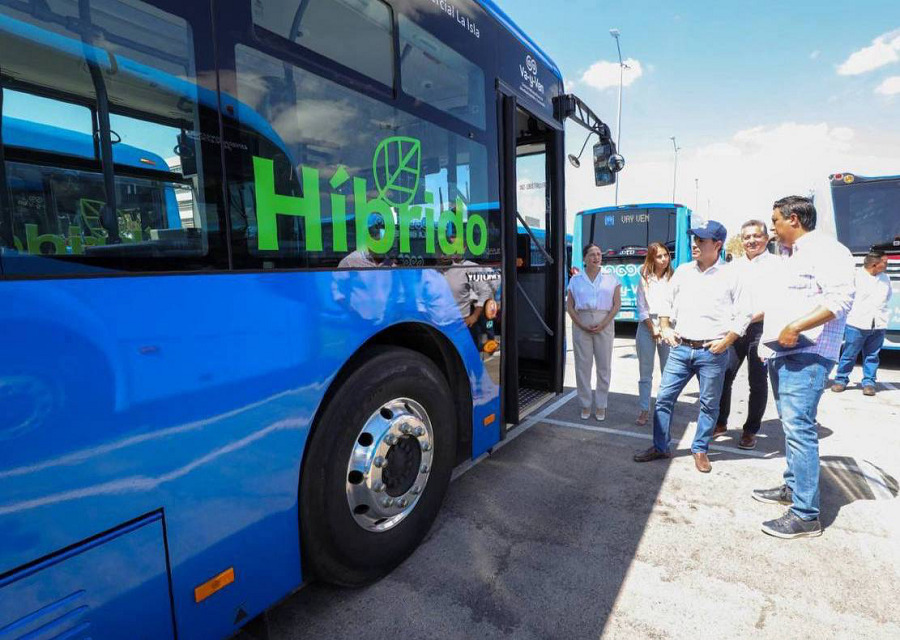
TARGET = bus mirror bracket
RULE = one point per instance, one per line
(607, 161)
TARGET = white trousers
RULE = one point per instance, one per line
(593, 348)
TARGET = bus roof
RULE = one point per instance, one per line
(622, 207)
(839, 178)
(44, 137)
(491, 7)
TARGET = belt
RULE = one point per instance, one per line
(696, 344)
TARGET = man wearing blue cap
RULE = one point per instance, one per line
(707, 306)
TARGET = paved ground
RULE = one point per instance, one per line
(559, 534)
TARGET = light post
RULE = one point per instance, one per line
(615, 34)
(675, 171)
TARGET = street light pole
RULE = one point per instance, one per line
(615, 34)
(675, 171)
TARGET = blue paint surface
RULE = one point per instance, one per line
(194, 395)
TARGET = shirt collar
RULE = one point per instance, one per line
(807, 238)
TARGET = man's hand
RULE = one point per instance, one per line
(597, 328)
(718, 346)
(670, 336)
(789, 336)
(471, 319)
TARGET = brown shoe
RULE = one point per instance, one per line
(869, 391)
(651, 454)
(701, 461)
(720, 430)
(748, 441)
(837, 387)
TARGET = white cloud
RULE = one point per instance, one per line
(604, 74)
(884, 49)
(815, 54)
(890, 86)
(569, 86)
(742, 175)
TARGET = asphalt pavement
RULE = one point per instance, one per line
(558, 534)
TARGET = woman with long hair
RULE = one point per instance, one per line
(652, 290)
(593, 302)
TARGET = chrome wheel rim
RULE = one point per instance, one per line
(389, 465)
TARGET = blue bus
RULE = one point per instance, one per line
(263, 287)
(867, 216)
(623, 234)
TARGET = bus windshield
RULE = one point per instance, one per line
(867, 213)
(618, 232)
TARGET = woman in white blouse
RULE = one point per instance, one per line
(593, 302)
(652, 290)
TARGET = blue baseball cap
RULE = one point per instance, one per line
(711, 229)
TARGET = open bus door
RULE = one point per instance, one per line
(533, 260)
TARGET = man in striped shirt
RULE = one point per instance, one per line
(805, 313)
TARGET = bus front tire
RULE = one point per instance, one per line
(377, 468)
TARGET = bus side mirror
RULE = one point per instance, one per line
(607, 163)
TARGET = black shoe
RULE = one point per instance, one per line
(791, 526)
(778, 495)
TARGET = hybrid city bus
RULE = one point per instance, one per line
(867, 216)
(265, 282)
(623, 234)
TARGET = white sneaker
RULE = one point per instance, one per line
(585, 414)
(600, 414)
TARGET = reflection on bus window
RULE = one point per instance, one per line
(436, 74)
(74, 198)
(354, 33)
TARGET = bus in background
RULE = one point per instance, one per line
(623, 234)
(258, 362)
(867, 216)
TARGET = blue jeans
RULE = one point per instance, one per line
(647, 348)
(797, 384)
(869, 341)
(683, 364)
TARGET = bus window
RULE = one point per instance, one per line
(333, 159)
(354, 33)
(101, 141)
(436, 74)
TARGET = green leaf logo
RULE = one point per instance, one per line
(397, 165)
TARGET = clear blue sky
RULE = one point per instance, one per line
(713, 67)
(751, 90)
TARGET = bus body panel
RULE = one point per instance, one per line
(627, 268)
(195, 395)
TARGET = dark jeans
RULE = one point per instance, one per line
(747, 348)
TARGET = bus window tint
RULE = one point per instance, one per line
(436, 74)
(354, 33)
(72, 204)
(867, 214)
(325, 161)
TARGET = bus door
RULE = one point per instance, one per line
(534, 260)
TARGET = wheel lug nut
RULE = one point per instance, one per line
(426, 446)
(415, 491)
(423, 468)
(402, 502)
(404, 428)
(387, 502)
(419, 431)
(378, 462)
(391, 439)
(378, 486)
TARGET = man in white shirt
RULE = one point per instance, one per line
(754, 269)
(805, 309)
(866, 323)
(707, 304)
